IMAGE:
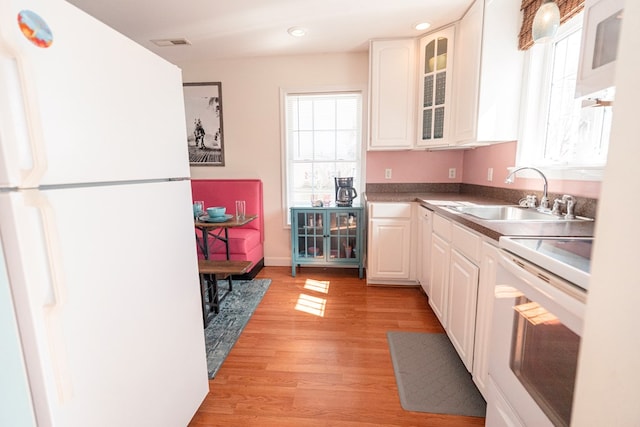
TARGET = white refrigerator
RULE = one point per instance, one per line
(100, 317)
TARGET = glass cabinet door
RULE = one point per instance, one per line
(343, 235)
(435, 86)
(310, 238)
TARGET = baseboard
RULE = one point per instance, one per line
(387, 282)
(278, 261)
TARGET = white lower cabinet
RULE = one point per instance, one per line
(439, 281)
(463, 291)
(484, 312)
(425, 216)
(455, 254)
(390, 245)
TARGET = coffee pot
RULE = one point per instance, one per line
(345, 193)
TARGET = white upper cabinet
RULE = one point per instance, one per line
(435, 82)
(488, 73)
(601, 27)
(392, 68)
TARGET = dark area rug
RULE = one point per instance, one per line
(235, 311)
(431, 377)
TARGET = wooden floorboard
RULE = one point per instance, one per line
(315, 353)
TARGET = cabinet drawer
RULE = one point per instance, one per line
(467, 242)
(442, 227)
(390, 210)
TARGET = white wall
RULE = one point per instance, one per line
(608, 387)
(251, 121)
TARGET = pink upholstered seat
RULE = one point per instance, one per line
(246, 243)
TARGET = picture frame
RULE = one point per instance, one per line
(205, 132)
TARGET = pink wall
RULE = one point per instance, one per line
(500, 157)
(471, 168)
(414, 166)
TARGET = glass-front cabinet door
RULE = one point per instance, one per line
(310, 234)
(436, 64)
(327, 236)
(343, 235)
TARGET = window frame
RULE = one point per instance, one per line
(534, 110)
(321, 90)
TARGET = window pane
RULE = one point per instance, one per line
(438, 123)
(347, 169)
(347, 145)
(347, 113)
(302, 143)
(426, 123)
(323, 179)
(441, 62)
(428, 91)
(324, 114)
(441, 85)
(300, 180)
(325, 145)
(429, 53)
(305, 114)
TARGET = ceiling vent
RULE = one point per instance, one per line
(171, 42)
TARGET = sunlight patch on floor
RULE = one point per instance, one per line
(311, 305)
(317, 285)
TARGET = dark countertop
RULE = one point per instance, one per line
(491, 229)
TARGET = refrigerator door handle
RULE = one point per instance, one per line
(22, 144)
(54, 297)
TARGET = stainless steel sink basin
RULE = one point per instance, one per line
(509, 213)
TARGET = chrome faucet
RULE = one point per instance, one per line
(544, 201)
(569, 202)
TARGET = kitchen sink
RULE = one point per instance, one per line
(509, 213)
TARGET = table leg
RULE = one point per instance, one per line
(226, 241)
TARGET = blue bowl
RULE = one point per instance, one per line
(216, 211)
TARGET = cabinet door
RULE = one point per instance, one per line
(389, 249)
(424, 245)
(487, 97)
(467, 73)
(486, 288)
(343, 237)
(440, 257)
(462, 297)
(392, 93)
(308, 236)
(435, 82)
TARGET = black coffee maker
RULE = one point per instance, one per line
(345, 193)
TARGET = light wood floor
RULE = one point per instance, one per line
(315, 353)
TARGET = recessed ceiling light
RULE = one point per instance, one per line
(422, 26)
(297, 31)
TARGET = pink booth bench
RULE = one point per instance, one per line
(246, 243)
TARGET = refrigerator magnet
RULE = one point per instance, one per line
(35, 29)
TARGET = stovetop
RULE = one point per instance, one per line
(566, 257)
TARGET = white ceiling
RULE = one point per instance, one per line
(239, 28)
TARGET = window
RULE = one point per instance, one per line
(559, 133)
(323, 140)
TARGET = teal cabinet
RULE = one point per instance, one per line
(327, 237)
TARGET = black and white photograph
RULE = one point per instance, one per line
(203, 111)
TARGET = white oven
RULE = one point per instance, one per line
(539, 307)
